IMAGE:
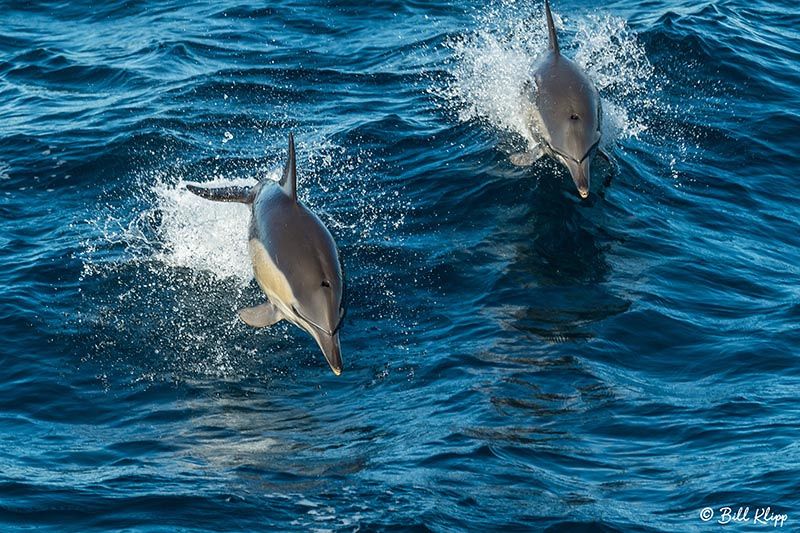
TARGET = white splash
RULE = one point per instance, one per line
(490, 67)
(199, 234)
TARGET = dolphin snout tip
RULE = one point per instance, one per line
(331, 349)
(334, 359)
(336, 368)
(579, 171)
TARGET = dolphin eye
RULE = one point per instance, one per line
(574, 116)
(326, 283)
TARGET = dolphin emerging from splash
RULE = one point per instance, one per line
(295, 260)
(564, 113)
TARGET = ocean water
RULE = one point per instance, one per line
(515, 358)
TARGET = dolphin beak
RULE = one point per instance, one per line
(329, 344)
(580, 175)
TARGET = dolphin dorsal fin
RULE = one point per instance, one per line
(552, 41)
(288, 181)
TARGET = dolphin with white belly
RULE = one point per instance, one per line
(295, 260)
(564, 113)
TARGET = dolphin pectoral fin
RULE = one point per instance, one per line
(224, 194)
(526, 159)
(260, 316)
(614, 166)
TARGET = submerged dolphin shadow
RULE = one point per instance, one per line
(554, 286)
(561, 242)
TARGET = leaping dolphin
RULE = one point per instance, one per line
(295, 260)
(564, 114)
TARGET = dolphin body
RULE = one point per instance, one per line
(564, 113)
(295, 260)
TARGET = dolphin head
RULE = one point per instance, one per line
(572, 124)
(318, 308)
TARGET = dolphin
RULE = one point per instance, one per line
(295, 260)
(564, 113)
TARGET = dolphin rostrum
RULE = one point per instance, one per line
(295, 260)
(564, 113)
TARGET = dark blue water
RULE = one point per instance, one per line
(516, 359)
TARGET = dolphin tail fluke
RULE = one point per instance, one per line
(552, 42)
(224, 194)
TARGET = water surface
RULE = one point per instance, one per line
(515, 358)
